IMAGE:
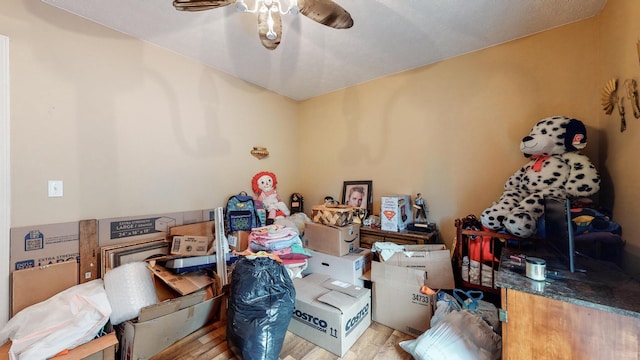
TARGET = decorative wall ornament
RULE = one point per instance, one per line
(610, 99)
(610, 96)
(632, 95)
(623, 121)
(259, 152)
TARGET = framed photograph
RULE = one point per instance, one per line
(358, 194)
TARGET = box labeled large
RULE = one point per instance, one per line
(395, 212)
(330, 313)
(332, 240)
(433, 259)
(397, 300)
(349, 268)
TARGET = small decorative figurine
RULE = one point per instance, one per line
(421, 213)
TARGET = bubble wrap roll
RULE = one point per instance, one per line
(129, 288)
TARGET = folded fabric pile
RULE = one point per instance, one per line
(282, 241)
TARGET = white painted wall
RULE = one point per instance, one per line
(5, 185)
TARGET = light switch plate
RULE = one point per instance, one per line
(55, 188)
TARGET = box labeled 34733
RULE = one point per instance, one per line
(332, 240)
(398, 301)
(330, 313)
(395, 212)
(348, 268)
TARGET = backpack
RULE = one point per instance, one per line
(241, 213)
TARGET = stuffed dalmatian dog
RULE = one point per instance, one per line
(556, 169)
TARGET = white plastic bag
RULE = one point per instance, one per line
(66, 320)
(460, 335)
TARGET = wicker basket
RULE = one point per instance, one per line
(336, 215)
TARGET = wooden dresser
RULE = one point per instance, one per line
(369, 235)
(582, 315)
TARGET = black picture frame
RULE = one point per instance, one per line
(364, 185)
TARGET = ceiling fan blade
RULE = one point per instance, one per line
(326, 12)
(199, 5)
(270, 40)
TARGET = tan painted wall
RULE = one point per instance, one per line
(450, 130)
(130, 128)
(619, 32)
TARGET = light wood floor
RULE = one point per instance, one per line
(377, 343)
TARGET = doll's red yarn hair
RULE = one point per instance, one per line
(254, 181)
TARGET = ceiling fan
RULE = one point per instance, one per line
(325, 12)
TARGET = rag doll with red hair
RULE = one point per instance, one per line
(264, 186)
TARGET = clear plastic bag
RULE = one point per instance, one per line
(66, 320)
(473, 302)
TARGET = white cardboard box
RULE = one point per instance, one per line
(333, 240)
(330, 313)
(395, 212)
(348, 268)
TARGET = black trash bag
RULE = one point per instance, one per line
(261, 303)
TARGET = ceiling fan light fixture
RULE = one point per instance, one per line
(269, 5)
(325, 12)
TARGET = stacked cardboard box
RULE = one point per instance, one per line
(330, 313)
(348, 268)
(332, 240)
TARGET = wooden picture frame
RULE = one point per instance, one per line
(356, 188)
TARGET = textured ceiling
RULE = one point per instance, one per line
(389, 36)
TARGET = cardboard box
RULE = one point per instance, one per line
(239, 240)
(397, 300)
(330, 313)
(395, 212)
(433, 259)
(348, 268)
(42, 245)
(127, 229)
(189, 245)
(161, 325)
(33, 285)
(205, 228)
(332, 240)
(183, 284)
